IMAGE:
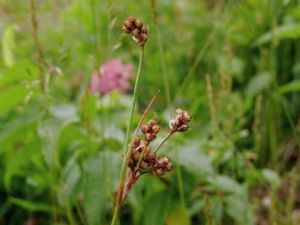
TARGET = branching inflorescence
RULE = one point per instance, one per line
(144, 159)
(139, 157)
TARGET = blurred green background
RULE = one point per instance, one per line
(233, 64)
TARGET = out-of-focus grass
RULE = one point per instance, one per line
(233, 64)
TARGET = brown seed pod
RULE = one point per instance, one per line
(168, 167)
(158, 172)
(180, 123)
(136, 141)
(137, 29)
(136, 156)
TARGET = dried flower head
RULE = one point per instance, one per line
(143, 158)
(150, 130)
(113, 75)
(181, 122)
(137, 29)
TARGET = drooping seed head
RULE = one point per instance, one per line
(137, 29)
(180, 123)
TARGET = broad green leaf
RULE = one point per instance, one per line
(225, 184)
(193, 159)
(8, 45)
(31, 206)
(272, 177)
(11, 97)
(239, 208)
(11, 131)
(94, 186)
(50, 129)
(23, 70)
(71, 175)
(259, 83)
(293, 86)
(178, 216)
(158, 206)
(285, 31)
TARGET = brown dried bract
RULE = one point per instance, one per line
(181, 122)
(137, 29)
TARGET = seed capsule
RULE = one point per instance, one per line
(159, 172)
(135, 32)
(156, 128)
(136, 156)
(144, 165)
(150, 155)
(163, 161)
(138, 23)
(168, 167)
(136, 141)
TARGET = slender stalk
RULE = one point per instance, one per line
(163, 141)
(127, 149)
(95, 29)
(145, 113)
(141, 157)
(167, 93)
(39, 51)
(180, 181)
(139, 125)
(161, 54)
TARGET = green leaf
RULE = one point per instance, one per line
(31, 206)
(195, 161)
(259, 83)
(11, 97)
(178, 216)
(71, 174)
(158, 205)
(272, 177)
(8, 45)
(293, 86)
(239, 209)
(94, 186)
(225, 184)
(23, 70)
(285, 31)
(50, 129)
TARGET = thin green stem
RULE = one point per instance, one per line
(95, 29)
(127, 149)
(161, 54)
(163, 141)
(180, 181)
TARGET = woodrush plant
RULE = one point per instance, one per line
(138, 156)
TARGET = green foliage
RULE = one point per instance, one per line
(234, 65)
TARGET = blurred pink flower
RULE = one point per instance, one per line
(112, 75)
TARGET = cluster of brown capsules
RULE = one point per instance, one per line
(146, 160)
(143, 158)
(137, 29)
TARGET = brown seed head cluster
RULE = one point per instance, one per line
(181, 122)
(150, 130)
(143, 158)
(137, 29)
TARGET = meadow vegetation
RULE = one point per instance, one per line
(81, 102)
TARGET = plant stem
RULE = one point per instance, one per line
(180, 181)
(39, 51)
(95, 29)
(161, 54)
(145, 113)
(127, 149)
(163, 141)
